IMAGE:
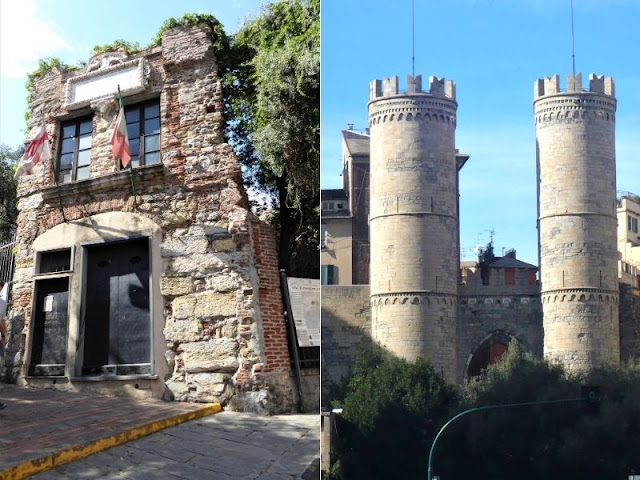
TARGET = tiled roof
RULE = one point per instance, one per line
(509, 262)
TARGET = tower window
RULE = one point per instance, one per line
(143, 129)
(632, 224)
(75, 150)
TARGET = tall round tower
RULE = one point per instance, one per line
(413, 220)
(575, 140)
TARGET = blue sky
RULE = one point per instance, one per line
(494, 50)
(33, 29)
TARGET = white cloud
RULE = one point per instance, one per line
(25, 38)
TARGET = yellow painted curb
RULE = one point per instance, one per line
(71, 454)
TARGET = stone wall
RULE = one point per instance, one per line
(505, 317)
(629, 323)
(218, 329)
(346, 324)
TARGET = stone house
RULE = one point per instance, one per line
(171, 291)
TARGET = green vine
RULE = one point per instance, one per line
(45, 65)
(219, 40)
(118, 45)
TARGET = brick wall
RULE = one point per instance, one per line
(273, 321)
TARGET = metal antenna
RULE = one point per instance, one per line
(573, 43)
(413, 39)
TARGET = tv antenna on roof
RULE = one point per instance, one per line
(573, 43)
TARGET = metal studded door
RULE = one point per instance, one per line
(116, 323)
(49, 341)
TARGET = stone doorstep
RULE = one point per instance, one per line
(77, 452)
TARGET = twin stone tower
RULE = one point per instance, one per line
(414, 226)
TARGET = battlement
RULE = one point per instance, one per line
(438, 87)
(551, 85)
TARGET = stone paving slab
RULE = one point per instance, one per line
(42, 428)
(226, 446)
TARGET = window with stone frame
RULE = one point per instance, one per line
(143, 129)
(75, 149)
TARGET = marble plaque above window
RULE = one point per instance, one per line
(83, 89)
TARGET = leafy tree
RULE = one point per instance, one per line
(274, 122)
(392, 410)
(8, 206)
(545, 441)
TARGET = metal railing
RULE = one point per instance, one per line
(7, 260)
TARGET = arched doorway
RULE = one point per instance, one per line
(489, 351)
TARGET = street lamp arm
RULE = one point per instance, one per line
(489, 407)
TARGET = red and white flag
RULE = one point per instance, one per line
(37, 150)
(120, 139)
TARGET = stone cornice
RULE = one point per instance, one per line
(117, 181)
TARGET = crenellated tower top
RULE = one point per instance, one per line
(602, 85)
(438, 87)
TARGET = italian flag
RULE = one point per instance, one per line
(37, 150)
(120, 139)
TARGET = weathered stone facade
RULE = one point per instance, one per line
(216, 327)
(414, 219)
(575, 136)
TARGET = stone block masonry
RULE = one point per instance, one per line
(575, 134)
(212, 304)
(414, 220)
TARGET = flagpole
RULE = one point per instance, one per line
(55, 179)
(133, 180)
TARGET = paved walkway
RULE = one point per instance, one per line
(41, 430)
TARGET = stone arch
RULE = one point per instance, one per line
(418, 117)
(384, 119)
(400, 117)
(487, 351)
(415, 301)
(409, 117)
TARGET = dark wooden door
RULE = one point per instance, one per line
(116, 323)
(49, 342)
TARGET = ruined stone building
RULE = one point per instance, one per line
(171, 292)
(419, 299)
